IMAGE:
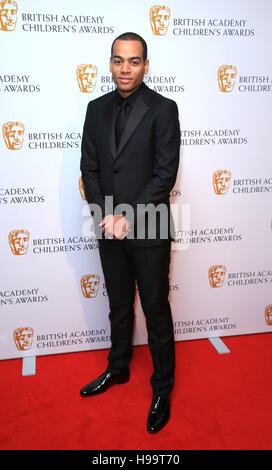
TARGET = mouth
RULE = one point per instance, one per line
(124, 80)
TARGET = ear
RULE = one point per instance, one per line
(110, 65)
(146, 65)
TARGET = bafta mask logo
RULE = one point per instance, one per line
(159, 16)
(8, 15)
(18, 241)
(226, 77)
(221, 181)
(268, 315)
(90, 285)
(13, 133)
(217, 275)
(81, 189)
(86, 77)
(23, 338)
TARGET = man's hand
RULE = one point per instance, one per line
(115, 226)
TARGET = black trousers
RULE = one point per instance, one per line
(123, 264)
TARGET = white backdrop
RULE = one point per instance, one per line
(221, 271)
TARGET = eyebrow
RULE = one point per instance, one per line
(130, 58)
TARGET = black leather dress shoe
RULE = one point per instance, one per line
(104, 381)
(159, 414)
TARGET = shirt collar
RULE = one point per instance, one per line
(130, 99)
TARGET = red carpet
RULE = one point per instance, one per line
(219, 401)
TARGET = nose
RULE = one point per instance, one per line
(125, 67)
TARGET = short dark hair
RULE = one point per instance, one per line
(132, 37)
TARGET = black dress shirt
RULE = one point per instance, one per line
(123, 108)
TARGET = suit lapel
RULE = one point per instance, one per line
(109, 123)
(139, 110)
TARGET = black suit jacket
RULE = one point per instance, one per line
(142, 170)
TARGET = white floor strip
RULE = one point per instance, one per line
(29, 365)
(220, 347)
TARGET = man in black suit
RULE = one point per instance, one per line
(130, 157)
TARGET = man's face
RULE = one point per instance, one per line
(127, 66)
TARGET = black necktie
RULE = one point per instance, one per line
(120, 121)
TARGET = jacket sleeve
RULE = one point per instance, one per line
(166, 146)
(89, 164)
